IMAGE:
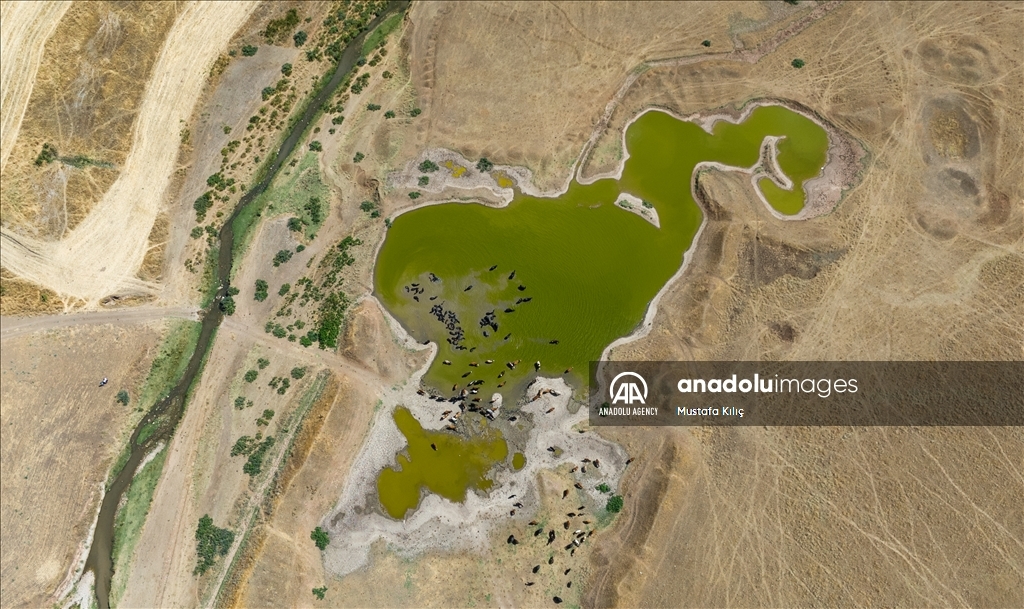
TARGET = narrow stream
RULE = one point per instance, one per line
(100, 560)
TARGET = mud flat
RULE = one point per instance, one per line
(439, 524)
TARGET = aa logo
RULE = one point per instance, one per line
(626, 391)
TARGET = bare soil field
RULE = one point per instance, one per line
(60, 435)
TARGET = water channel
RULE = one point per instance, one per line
(168, 411)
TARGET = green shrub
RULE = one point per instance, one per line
(337, 120)
(249, 50)
(279, 332)
(295, 224)
(227, 305)
(268, 414)
(604, 488)
(277, 29)
(316, 146)
(243, 446)
(614, 504)
(320, 592)
(415, 112)
(298, 373)
(286, 69)
(415, 195)
(122, 397)
(320, 538)
(797, 63)
(358, 157)
(300, 39)
(211, 542)
(389, 114)
(240, 402)
(263, 363)
(251, 375)
(372, 107)
(47, 155)
(261, 290)
(706, 43)
(483, 165)
(285, 384)
(197, 232)
(386, 74)
(267, 93)
(300, 248)
(282, 256)
(367, 206)
(428, 166)
(254, 464)
(315, 209)
(647, 204)
(284, 289)
(233, 291)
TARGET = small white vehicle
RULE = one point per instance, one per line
(103, 382)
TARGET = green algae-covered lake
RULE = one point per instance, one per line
(443, 463)
(588, 268)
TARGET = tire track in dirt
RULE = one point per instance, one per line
(84, 265)
(24, 29)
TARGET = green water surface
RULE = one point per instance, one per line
(590, 268)
(439, 462)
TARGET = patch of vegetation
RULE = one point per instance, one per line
(211, 542)
(320, 592)
(262, 363)
(47, 155)
(372, 107)
(428, 166)
(244, 446)
(249, 50)
(261, 290)
(358, 157)
(202, 205)
(122, 397)
(147, 431)
(797, 63)
(300, 38)
(254, 464)
(277, 29)
(415, 112)
(483, 165)
(389, 114)
(316, 146)
(377, 37)
(130, 517)
(250, 376)
(647, 204)
(415, 195)
(604, 488)
(706, 43)
(295, 224)
(320, 537)
(240, 402)
(614, 504)
(423, 181)
(227, 304)
(284, 289)
(298, 373)
(282, 256)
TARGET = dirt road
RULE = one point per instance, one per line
(24, 29)
(84, 265)
(16, 326)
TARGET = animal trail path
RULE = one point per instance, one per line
(24, 29)
(101, 255)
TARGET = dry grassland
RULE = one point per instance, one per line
(84, 102)
(81, 266)
(26, 26)
(60, 435)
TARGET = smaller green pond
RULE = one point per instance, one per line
(439, 462)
